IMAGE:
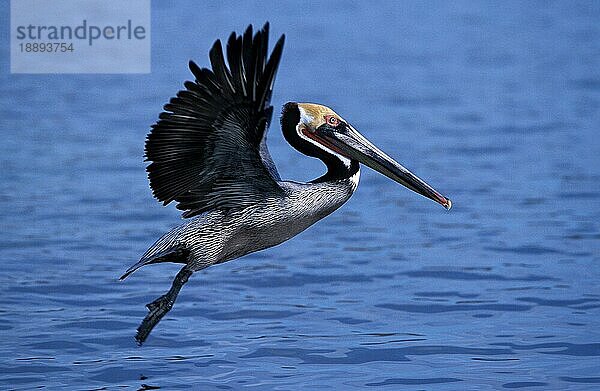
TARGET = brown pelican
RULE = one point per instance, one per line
(208, 153)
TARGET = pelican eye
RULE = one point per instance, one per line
(331, 120)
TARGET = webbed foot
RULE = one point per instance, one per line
(161, 306)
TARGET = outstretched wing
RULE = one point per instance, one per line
(207, 150)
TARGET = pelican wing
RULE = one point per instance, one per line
(208, 150)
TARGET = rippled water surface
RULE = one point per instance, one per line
(497, 106)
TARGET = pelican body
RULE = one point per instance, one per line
(208, 153)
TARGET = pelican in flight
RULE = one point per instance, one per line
(208, 153)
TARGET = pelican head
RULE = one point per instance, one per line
(328, 131)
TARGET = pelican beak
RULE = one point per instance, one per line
(350, 143)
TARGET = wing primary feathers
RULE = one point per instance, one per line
(219, 68)
(262, 59)
(246, 49)
(268, 78)
(207, 150)
(235, 64)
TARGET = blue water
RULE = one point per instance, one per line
(495, 104)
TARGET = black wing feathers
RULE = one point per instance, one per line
(205, 150)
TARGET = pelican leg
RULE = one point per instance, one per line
(159, 307)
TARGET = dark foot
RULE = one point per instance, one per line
(162, 301)
(159, 307)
